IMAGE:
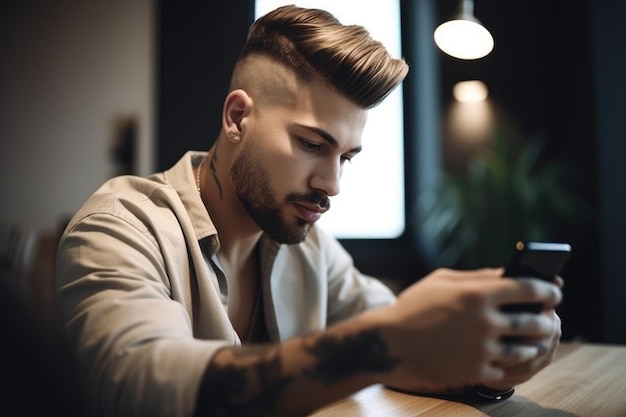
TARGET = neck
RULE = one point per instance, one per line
(238, 233)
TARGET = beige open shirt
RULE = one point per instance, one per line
(142, 306)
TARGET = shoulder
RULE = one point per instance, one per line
(135, 200)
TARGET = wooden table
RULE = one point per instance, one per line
(585, 380)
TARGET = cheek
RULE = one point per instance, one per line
(288, 174)
(284, 164)
(278, 154)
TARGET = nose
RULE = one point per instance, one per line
(326, 178)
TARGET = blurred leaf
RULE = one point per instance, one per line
(506, 195)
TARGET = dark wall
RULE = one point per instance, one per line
(609, 40)
(197, 45)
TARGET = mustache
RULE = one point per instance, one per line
(315, 197)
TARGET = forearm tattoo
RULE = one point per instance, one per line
(213, 168)
(255, 384)
(344, 358)
(229, 390)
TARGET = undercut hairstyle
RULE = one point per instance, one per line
(313, 44)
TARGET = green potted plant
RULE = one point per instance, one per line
(508, 193)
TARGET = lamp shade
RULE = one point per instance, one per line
(464, 37)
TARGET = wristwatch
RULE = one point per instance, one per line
(467, 393)
(483, 393)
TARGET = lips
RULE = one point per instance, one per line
(309, 212)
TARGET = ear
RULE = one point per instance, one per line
(237, 106)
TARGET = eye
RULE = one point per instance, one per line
(310, 146)
(346, 158)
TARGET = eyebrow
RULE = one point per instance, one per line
(329, 138)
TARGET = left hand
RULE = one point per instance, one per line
(516, 373)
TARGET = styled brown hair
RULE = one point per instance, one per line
(312, 43)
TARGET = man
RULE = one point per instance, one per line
(208, 289)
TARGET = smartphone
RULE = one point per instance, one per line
(543, 260)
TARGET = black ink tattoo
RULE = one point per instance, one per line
(226, 391)
(343, 358)
(254, 387)
(213, 169)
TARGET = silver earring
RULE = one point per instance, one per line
(234, 137)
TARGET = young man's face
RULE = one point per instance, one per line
(292, 159)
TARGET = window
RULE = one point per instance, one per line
(371, 204)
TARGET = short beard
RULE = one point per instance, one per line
(252, 185)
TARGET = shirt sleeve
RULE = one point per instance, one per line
(134, 344)
(349, 291)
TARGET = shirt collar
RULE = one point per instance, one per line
(181, 178)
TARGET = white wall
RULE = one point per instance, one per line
(68, 71)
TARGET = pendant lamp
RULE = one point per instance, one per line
(463, 36)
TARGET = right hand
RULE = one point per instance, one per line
(447, 328)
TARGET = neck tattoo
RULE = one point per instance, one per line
(198, 177)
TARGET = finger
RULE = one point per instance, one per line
(527, 325)
(508, 359)
(510, 355)
(559, 282)
(475, 273)
(528, 290)
(552, 343)
(543, 347)
(513, 352)
(547, 346)
(518, 372)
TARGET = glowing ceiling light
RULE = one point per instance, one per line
(470, 91)
(464, 37)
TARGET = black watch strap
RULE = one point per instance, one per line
(483, 393)
(471, 394)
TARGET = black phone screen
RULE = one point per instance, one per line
(543, 260)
